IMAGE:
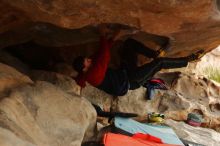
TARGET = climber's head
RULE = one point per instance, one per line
(82, 64)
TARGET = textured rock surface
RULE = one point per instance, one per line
(14, 62)
(8, 138)
(36, 105)
(196, 94)
(41, 113)
(11, 17)
(66, 83)
(191, 25)
(11, 78)
(188, 93)
(207, 137)
(98, 97)
(36, 111)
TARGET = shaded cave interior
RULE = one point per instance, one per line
(61, 45)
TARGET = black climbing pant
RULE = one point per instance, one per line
(139, 75)
(118, 81)
(129, 53)
(133, 46)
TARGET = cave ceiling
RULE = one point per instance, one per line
(191, 25)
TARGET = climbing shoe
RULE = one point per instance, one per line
(196, 56)
(162, 50)
(158, 83)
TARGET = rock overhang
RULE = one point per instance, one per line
(190, 25)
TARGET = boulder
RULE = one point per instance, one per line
(43, 114)
(14, 62)
(199, 135)
(40, 113)
(64, 82)
(98, 97)
(11, 78)
(8, 138)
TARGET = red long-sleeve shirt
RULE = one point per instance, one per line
(96, 73)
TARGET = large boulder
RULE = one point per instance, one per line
(39, 113)
(11, 78)
(8, 138)
(14, 62)
(98, 97)
(64, 82)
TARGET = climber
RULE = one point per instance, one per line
(117, 82)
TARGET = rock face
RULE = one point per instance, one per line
(196, 94)
(66, 83)
(182, 21)
(41, 114)
(11, 78)
(34, 112)
(188, 93)
(199, 135)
